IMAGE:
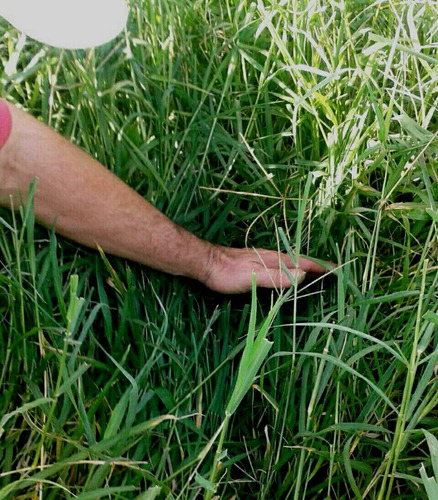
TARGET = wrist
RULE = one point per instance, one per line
(204, 266)
(216, 267)
(193, 258)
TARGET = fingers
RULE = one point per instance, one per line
(275, 278)
(231, 272)
(312, 267)
(272, 259)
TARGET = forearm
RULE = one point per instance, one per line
(90, 205)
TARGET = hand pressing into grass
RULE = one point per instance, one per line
(90, 205)
(230, 269)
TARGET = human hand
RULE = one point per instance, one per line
(230, 269)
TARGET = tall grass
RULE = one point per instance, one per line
(303, 124)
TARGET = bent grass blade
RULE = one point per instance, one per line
(254, 354)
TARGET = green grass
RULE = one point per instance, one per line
(303, 123)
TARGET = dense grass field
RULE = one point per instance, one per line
(304, 124)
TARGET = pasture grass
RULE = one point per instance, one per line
(303, 124)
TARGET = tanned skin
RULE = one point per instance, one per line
(92, 206)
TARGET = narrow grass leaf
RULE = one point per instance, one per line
(358, 333)
(150, 494)
(430, 484)
(7, 225)
(254, 354)
(108, 491)
(432, 442)
(348, 468)
(117, 416)
(432, 317)
(119, 286)
(72, 379)
(389, 298)
(205, 483)
(347, 368)
(75, 305)
(23, 409)
(402, 48)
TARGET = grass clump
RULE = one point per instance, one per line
(303, 124)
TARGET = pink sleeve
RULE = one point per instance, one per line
(5, 122)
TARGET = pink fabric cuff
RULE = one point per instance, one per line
(5, 122)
